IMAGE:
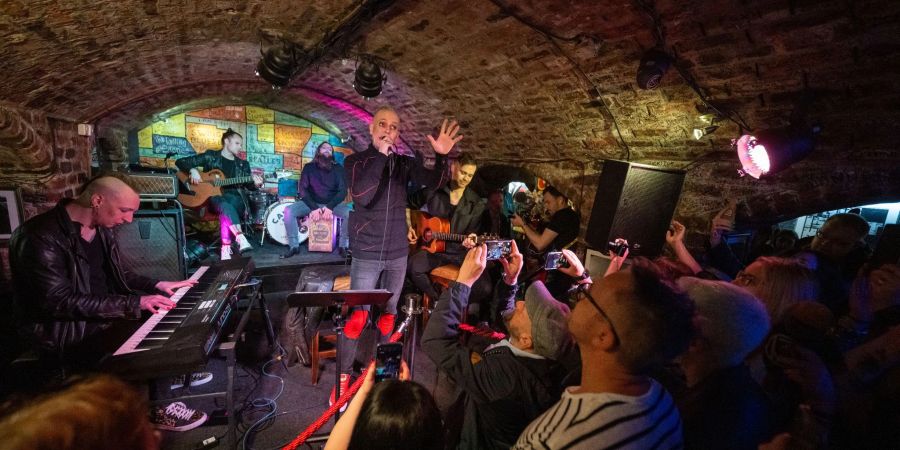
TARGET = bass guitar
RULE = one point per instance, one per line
(210, 186)
(434, 233)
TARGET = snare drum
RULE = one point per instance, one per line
(275, 223)
(259, 204)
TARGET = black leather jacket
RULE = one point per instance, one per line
(212, 159)
(53, 305)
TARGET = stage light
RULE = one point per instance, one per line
(368, 78)
(700, 132)
(771, 151)
(277, 66)
(654, 64)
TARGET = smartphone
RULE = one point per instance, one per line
(555, 260)
(888, 249)
(498, 249)
(779, 347)
(387, 361)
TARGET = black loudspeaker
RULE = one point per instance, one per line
(153, 244)
(635, 202)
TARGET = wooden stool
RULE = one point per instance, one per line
(315, 352)
(341, 283)
(441, 276)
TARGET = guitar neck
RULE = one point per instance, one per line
(452, 237)
(231, 181)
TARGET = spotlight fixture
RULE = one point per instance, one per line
(771, 151)
(700, 132)
(278, 65)
(654, 64)
(368, 78)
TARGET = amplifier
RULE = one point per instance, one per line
(155, 185)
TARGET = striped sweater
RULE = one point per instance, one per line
(606, 421)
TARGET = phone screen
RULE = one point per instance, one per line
(554, 261)
(497, 249)
(387, 361)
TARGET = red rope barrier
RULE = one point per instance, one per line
(330, 412)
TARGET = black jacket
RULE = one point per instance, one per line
(53, 305)
(504, 392)
(212, 159)
(469, 216)
(378, 186)
(322, 187)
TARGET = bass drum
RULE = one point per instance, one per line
(275, 223)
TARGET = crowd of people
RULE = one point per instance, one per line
(795, 346)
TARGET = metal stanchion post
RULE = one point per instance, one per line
(412, 307)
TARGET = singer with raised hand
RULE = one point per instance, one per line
(377, 179)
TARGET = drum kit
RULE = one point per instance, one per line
(267, 214)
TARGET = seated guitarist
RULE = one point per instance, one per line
(466, 212)
(230, 205)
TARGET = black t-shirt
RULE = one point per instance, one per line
(566, 223)
(97, 260)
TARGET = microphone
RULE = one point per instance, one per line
(170, 154)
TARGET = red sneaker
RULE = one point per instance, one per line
(354, 326)
(345, 384)
(386, 323)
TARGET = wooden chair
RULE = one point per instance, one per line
(440, 276)
(317, 350)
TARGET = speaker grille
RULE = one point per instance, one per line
(153, 244)
(155, 185)
(636, 202)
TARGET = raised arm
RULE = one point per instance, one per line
(675, 239)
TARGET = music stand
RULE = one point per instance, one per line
(340, 299)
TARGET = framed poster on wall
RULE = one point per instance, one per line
(12, 213)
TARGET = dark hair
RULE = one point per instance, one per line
(555, 192)
(853, 221)
(660, 320)
(398, 414)
(228, 134)
(465, 159)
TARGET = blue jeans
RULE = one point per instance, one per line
(299, 210)
(373, 274)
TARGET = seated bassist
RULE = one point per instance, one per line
(466, 212)
(230, 205)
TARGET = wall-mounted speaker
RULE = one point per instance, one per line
(635, 202)
(153, 244)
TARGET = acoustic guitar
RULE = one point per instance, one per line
(434, 233)
(210, 186)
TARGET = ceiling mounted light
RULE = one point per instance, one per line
(278, 65)
(700, 132)
(368, 78)
(769, 152)
(654, 64)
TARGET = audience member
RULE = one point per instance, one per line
(99, 413)
(626, 325)
(387, 415)
(722, 406)
(779, 283)
(516, 379)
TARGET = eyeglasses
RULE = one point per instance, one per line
(583, 293)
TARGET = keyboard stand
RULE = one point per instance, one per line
(227, 349)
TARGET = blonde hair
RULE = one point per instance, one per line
(98, 413)
(785, 282)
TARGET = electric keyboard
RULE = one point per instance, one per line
(180, 340)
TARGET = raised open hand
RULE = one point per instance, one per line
(446, 139)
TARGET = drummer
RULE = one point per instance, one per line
(321, 196)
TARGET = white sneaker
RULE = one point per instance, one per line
(197, 378)
(225, 252)
(177, 417)
(243, 244)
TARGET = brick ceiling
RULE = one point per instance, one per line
(521, 94)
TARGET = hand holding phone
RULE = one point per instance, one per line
(497, 249)
(387, 361)
(555, 260)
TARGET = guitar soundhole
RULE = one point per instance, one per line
(427, 236)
